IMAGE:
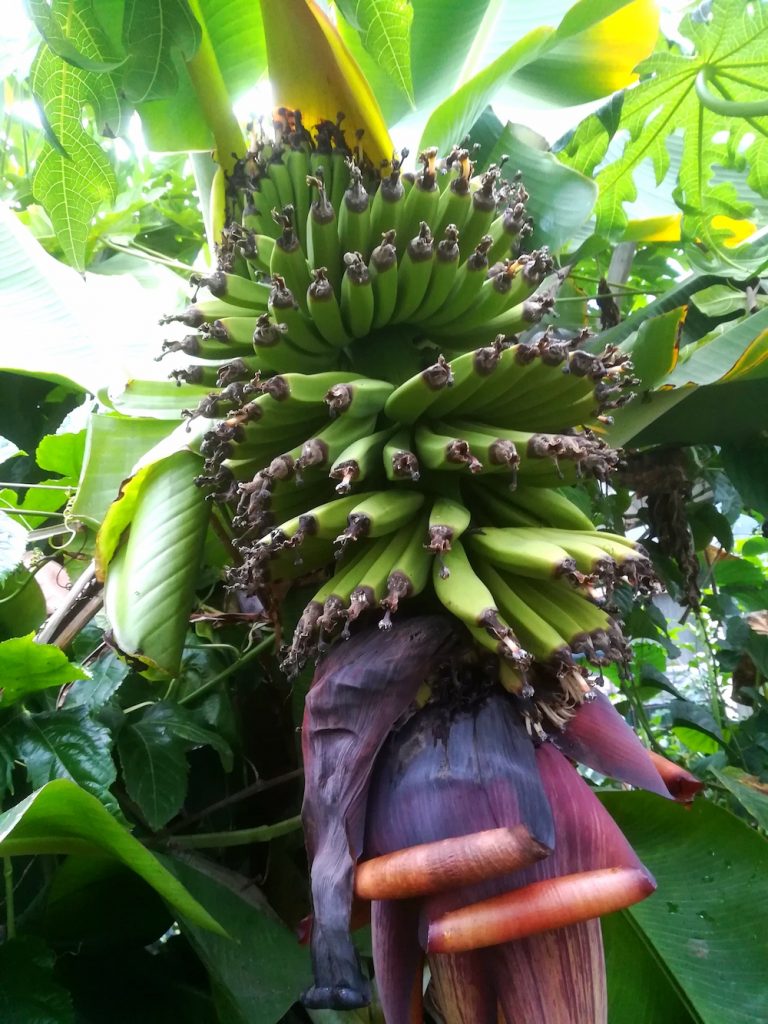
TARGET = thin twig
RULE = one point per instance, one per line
(260, 786)
(240, 837)
(213, 683)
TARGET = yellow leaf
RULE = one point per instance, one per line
(739, 229)
(654, 229)
(312, 70)
(619, 42)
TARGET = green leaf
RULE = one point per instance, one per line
(258, 976)
(22, 605)
(453, 118)
(66, 744)
(738, 574)
(161, 399)
(154, 767)
(26, 666)
(385, 32)
(114, 444)
(107, 673)
(729, 43)
(61, 453)
(62, 818)
(237, 38)
(654, 347)
(13, 544)
(733, 351)
(749, 791)
(151, 579)
(152, 31)
(74, 177)
(639, 990)
(183, 725)
(48, 25)
(694, 716)
(745, 465)
(705, 924)
(560, 200)
(30, 993)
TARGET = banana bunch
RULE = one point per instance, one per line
(386, 416)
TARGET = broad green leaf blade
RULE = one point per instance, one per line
(114, 444)
(26, 666)
(154, 767)
(30, 992)
(598, 45)
(385, 32)
(751, 793)
(62, 818)
(65, 745)
(260, 971)
(453, 118)
(162, 399)
(639, 990)
(151, 579)
(152, 31)
(61, 453)
(705, 924)
(745, 464)
(674, 298)
(735, 352)
(107, 673)
(560, 201)
(654, 349)
(62, 328)
(715, 414)
(74, 177)
(22, 605)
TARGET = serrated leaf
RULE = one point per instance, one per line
(66, 744)
(44, 16)
(154, 765)
(26, 666)
(729, 41)
(385, 32)
(153, 30)
(151, 577)
(107, 673)
(13, 544)
(63, 818)
(72, 179)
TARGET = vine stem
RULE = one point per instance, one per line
(239, 837)
(719, 105)
(213, 683)
(10, 912)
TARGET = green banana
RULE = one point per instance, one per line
(288, 261)
(465, 595)
(382, 268)
(422, 201)
(466, 287)
(414, 273)
(373, 582)
(323, 521)
(323, 246)
(590, 558)
(205, 312)
(400, 463)
(324, 310)
(525, 552)
(380, 514)
(297, 161)
(355, 217)
(360, 397)
(359, 460)
(388, 202)
(471, 371)
(455, 200)
(235, 290)
(443, 276)
(328, 444)
(300, 329)
(272, 344)
(356, 296)
(551, 508)
(448, 519)
(482, 212)
(415, 395)
(410, 572)
(536, 634)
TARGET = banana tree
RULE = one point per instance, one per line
(384, 414)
